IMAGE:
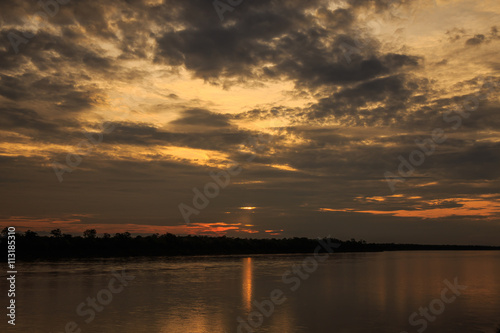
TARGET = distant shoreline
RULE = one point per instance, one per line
(229, 255)
(31, 247)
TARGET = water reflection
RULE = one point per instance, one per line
(246, 283)
(348, 293)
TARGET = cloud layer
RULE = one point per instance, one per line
(343, 92)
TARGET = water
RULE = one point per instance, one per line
(350, 292)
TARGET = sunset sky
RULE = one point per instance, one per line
(111, 112)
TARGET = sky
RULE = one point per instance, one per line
(366, 119)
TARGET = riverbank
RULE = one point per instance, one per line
(30, 246)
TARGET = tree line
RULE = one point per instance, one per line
(58, 245)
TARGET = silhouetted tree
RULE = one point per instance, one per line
(30, 234)
(90, 233)
(32, 246)
(125, 235)
(56, 233)
(106, 235)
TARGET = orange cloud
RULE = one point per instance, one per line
(73, 224)
(489, 209)
(274, 232)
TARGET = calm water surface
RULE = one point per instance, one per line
(352, 292)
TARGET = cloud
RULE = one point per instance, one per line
(262, 45)
(200, 117)
(14, 118)
(186, 91)
(476, 40)
(457, 34)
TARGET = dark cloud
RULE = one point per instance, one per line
(65, 93)
(369, 101)
(225, 139)
(348, 104)
(339, 18)
(280, 41)
(14, 118)
(377, 4)
(473, 161)
(457, 34)
(476, 40)
(200, 117)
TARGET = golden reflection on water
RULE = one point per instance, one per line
(353, 292)
(246, 283)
